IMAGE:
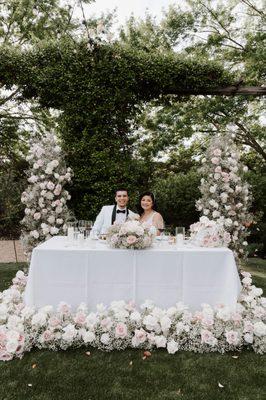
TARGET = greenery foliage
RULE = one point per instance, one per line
(120, 106)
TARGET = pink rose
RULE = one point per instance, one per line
(80, 318)
(236, 317)
(47, 336)
(131, 239)
(121, 330)
(5, 356)
(207, 321)
(63, 308)
(232, 337)
(248, 326)
(215, 160)
(198, 316)
(140, 335)
(218, 170)
(217, 152)
(106, 323)
(54, 322)
(207, 337)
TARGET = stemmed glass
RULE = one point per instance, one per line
(82, 225)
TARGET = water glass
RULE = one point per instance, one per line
(180, 236)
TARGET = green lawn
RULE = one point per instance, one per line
(125, 375)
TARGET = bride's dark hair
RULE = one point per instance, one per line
(151, 195)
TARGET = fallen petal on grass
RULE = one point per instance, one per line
(147, 353)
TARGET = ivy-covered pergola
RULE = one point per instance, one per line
(100, 88)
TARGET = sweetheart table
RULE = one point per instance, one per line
(93, 273)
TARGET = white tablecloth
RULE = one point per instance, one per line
(97, 274)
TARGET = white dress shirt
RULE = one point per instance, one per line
(121, 217)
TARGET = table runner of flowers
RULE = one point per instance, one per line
(122, 325)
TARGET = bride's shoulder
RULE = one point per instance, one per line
(157, 215)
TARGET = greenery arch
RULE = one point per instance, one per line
(100, 88)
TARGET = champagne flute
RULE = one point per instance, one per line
(82, 225)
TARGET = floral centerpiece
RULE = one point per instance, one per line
(129, 235)
(207, 233)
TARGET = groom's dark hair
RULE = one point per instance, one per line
(121, 189)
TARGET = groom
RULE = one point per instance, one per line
(110, 214)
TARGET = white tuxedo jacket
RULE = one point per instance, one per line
(104, 220)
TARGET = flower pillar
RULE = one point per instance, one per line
(225, 194)
(45, 198)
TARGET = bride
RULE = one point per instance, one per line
(147, 211)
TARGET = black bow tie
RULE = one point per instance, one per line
(120, 211)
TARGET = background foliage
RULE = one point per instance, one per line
(117, 105)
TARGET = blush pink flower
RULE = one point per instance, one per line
(236, 317)
(47, 336)
(215, 160)
(63, 308)
(54, 322)
(232, 337)
(207, 337)
(106, 323)
(5, 356)
(80, 318)
(121, 330)
(217, 152)
(140, 335)
(131, 239)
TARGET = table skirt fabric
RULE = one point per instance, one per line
(96, 274)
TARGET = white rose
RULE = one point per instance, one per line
(39, 319)
(51, 219)
(105, 338)
(260, 329)
(165, 323)
(160, 341)
(34, 234)
(88, 337)
(37, 216)
(135, 316)
(216, 214)
(172, 347)
(3, 312)
(54, 230)
(12, 346)
(248, 337)
(70, 333)
(54, 163)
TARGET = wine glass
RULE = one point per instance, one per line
(82, 225)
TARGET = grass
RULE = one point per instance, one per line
(125, 375)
